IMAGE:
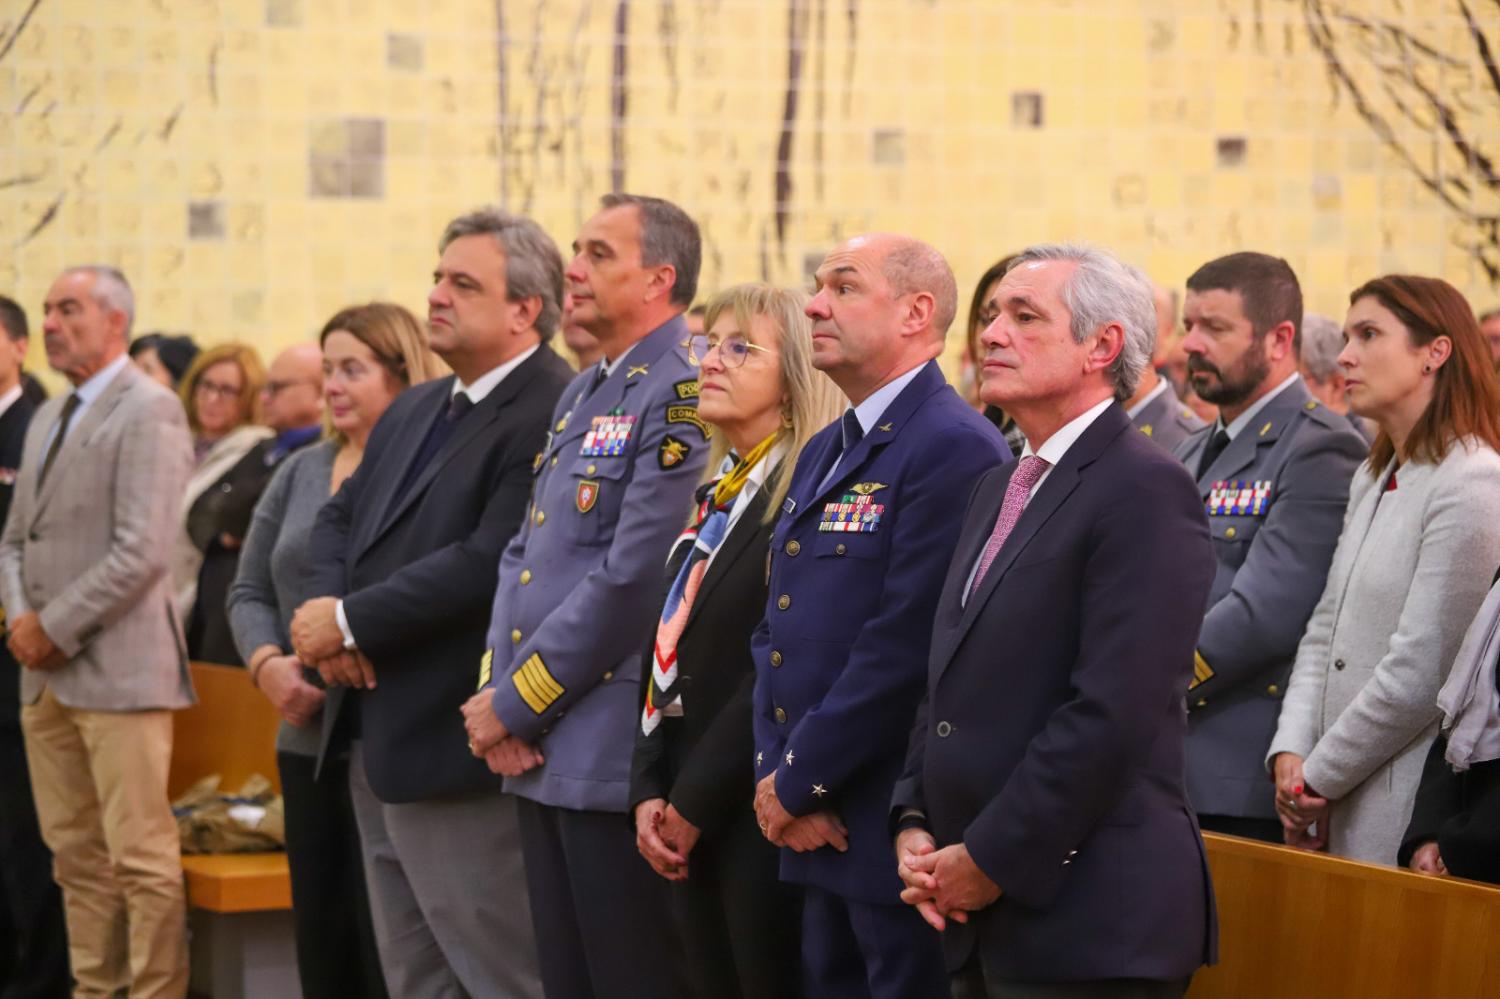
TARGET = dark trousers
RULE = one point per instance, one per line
(1265, 830)
(603, 930)
(864, 950)
(740, 925)
(970, 983)
(336, 955)
(33, 936)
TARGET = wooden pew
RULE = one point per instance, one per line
(1295, 924)
(240, 904)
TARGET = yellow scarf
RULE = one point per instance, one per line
(734, 480)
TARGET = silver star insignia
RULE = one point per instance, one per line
(789, 757)
(819, 790)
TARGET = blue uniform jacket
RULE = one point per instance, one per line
(840, 658)
(580, 582)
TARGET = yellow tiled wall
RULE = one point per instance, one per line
(255, 164)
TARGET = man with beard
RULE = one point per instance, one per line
(1274, 473)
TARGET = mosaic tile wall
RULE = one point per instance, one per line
(255, 164)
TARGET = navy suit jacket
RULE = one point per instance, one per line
(839, 657)
(417, 573)
(1051, 739)
(13, 426)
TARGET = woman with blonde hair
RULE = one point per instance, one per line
(371, 353)
(221, 394)
(1421, 540)
(691, 783)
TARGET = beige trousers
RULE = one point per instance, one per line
(100, 781)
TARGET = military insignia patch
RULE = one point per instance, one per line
(637, 369)
(672, 452)
(866, 488)
(688, 414)
(536, 684)
(1146, 429)
(854, 513)
(485, 663)
(1238, 499)
(607, 436)
(588, 495)
(885, 428)
(688, 389)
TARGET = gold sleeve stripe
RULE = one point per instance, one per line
(536, 684)
(1201, 670)
(486, 662)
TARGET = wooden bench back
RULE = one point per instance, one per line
(1303, 924)
(231, 732)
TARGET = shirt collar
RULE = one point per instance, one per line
(1161, 386)
(1243, 420)
(9, 399)
(1058, 444)
(94, 387)
(486, 383)
(869, 412)
(608, 366)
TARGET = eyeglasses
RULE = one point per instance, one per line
(206, 387)
(274, 388)
(732, 349)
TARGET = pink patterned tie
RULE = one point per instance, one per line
(1016, 492)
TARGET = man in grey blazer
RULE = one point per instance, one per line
(83, 579)
(1274, 473)
(1156, 411)
(574, 607)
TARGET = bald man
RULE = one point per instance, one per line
(857, 563)
(292, 406)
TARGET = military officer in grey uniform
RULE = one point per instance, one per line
(1274, 472)
(575, 605)
(1156, 412)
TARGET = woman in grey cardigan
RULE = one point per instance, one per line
(1420, 542)
(370, 354)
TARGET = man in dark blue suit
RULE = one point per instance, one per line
(869, 524)
(1042, 821)
(406, 553)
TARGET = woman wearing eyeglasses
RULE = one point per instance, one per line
(692, 782)
(221, 393)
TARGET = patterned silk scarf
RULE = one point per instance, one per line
(709, 528)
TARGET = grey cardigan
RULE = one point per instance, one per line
(1411, 569)
(275, 571)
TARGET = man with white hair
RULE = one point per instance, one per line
(1322, 343)
(83, 576)
(1044, 784)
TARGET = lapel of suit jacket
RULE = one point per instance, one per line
(730, 550)
(95, 415)
(929, 380)
(412, 433)
(1263, 432)
(1047, 500)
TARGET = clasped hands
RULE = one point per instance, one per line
(29, 642)
(781, 827)
(942, 884)
(491, 741)
(1298, 807)
(664, 837)
(319, 643)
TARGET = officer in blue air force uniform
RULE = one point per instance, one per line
(856, 565)
(578, 588)
(1274, 487)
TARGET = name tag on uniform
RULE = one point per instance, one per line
(607, 436)
(853, 514)
(1239, 498)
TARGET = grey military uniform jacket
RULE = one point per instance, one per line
(1275, 500)
(1166, 420)
(580, 582)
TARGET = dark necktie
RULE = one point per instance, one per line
(437, 436)
(853, 432)
(599, 376)
(1215, 447)
(69, 408)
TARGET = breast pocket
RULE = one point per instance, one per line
(1232, 535)
(597, 487)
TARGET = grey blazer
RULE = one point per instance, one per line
(1411, 569)
(1167, 421)
(89, 552)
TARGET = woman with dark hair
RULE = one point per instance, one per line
(1421, 540)
(981, 314)
(370, 354)
(164, 357)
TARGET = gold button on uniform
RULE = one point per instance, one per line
(1273, 689)
(525, 576)
(839, 549)
(793, 547)
(780, 716)
(515, 637)
(783, 601)
(609, 675)
(592, 469)
(1230, 533)
(554, 461)
(775, 658)
(540, 516)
